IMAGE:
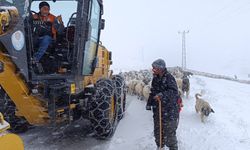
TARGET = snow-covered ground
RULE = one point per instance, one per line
(227, 129)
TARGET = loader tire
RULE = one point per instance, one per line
(8, 109)
(103, 111)
(120, 94)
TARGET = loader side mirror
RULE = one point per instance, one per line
(102, 24)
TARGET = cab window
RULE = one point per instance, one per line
(92, 43)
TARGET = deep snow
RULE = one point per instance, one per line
(227, 129)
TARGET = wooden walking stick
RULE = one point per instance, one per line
(160, 121)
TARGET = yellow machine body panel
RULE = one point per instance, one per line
(27, 105)
(102, 70)
(9, 141)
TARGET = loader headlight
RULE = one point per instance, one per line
(17, 40)
(1, 67)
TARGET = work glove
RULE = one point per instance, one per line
(59, 19)
(158, 96)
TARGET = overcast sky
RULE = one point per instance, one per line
(140, 31)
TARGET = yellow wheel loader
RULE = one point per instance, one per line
(75, 80)
(7, 140)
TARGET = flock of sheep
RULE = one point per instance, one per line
(139, 82)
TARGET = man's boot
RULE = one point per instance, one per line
(173, 148)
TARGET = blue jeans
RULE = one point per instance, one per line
(44, 43)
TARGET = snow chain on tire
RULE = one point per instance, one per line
(8, 109)
(104, 120)
(120, 94)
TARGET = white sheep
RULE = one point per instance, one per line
(131, 86)
(177, 73)
(179, 84)
(146, 91)
(139, 88)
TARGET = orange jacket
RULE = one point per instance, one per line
(50, 18)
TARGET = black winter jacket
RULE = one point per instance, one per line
(165, 86)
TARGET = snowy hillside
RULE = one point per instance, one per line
(227, 129)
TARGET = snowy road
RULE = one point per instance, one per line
(131, 129)
(227, 129)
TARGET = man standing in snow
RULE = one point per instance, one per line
(164, 88)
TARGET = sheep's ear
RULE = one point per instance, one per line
(212, 110)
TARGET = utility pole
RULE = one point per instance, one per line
(184, 51)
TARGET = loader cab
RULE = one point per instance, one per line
(58, 57)
(74, 52)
